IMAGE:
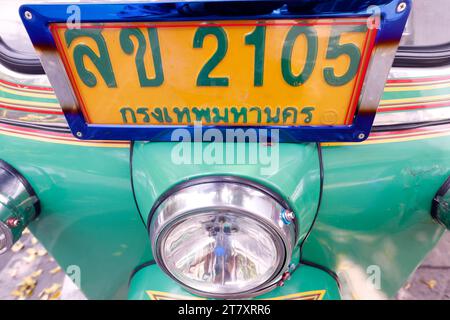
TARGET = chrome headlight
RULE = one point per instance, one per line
(223, 239)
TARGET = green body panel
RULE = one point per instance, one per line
(304, 280)
(88, 216)
(381, 215)
(375, 210)
(375, 206)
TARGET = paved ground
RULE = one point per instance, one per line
(30, 273)
(432, 279)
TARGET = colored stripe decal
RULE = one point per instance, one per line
(25, 87)
(65, 138)
(33, 110)
(32, 98)
(401, 95)
(400, 136)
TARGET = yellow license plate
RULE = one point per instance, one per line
(244, 73)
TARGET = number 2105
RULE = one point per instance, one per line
(256, 38)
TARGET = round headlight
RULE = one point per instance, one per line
(222, 239)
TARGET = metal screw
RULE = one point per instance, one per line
(28, 15)
(361, 136)
(13, 222)
(79, 134)
(401, 7)
(285, 277)
(292, 267)
(287, 216)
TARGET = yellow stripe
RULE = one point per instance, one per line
(415, 84)
(415, 100)
(318, 293)
(153, 295)
(32, 103)
(75, 143)
(409, 104)
(417, 88)
(5, 85)
(29, 94)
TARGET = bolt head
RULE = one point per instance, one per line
(286, 276)
(401, 7)
(287, 216)
(290, 215)
(79, 134)
(361, 136)
(13, 222)
(28, 15)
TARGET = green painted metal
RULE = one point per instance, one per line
(295, 174)
(380, 216)
(305, 280)
(375, 209)
(88, 218)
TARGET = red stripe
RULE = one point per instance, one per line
(426, 79)
(20, 86)
(36, 131)
(361, 76)
(415, 107)
(25, 109)
(436, 129)
(51, 135)
(399, 136)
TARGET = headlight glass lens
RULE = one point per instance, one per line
(221, 252)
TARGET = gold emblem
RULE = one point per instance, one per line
(309, 295)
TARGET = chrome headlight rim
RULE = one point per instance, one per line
(256, 202)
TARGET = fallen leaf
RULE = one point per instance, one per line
(32, 254)
(431, 283)
(56, 295)
(51, 293)
(34, 241)
(37, 273)
(41, 252)
(55, 270)
(31, 251)
(12, 273)
(26, 288)
(17, 246)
